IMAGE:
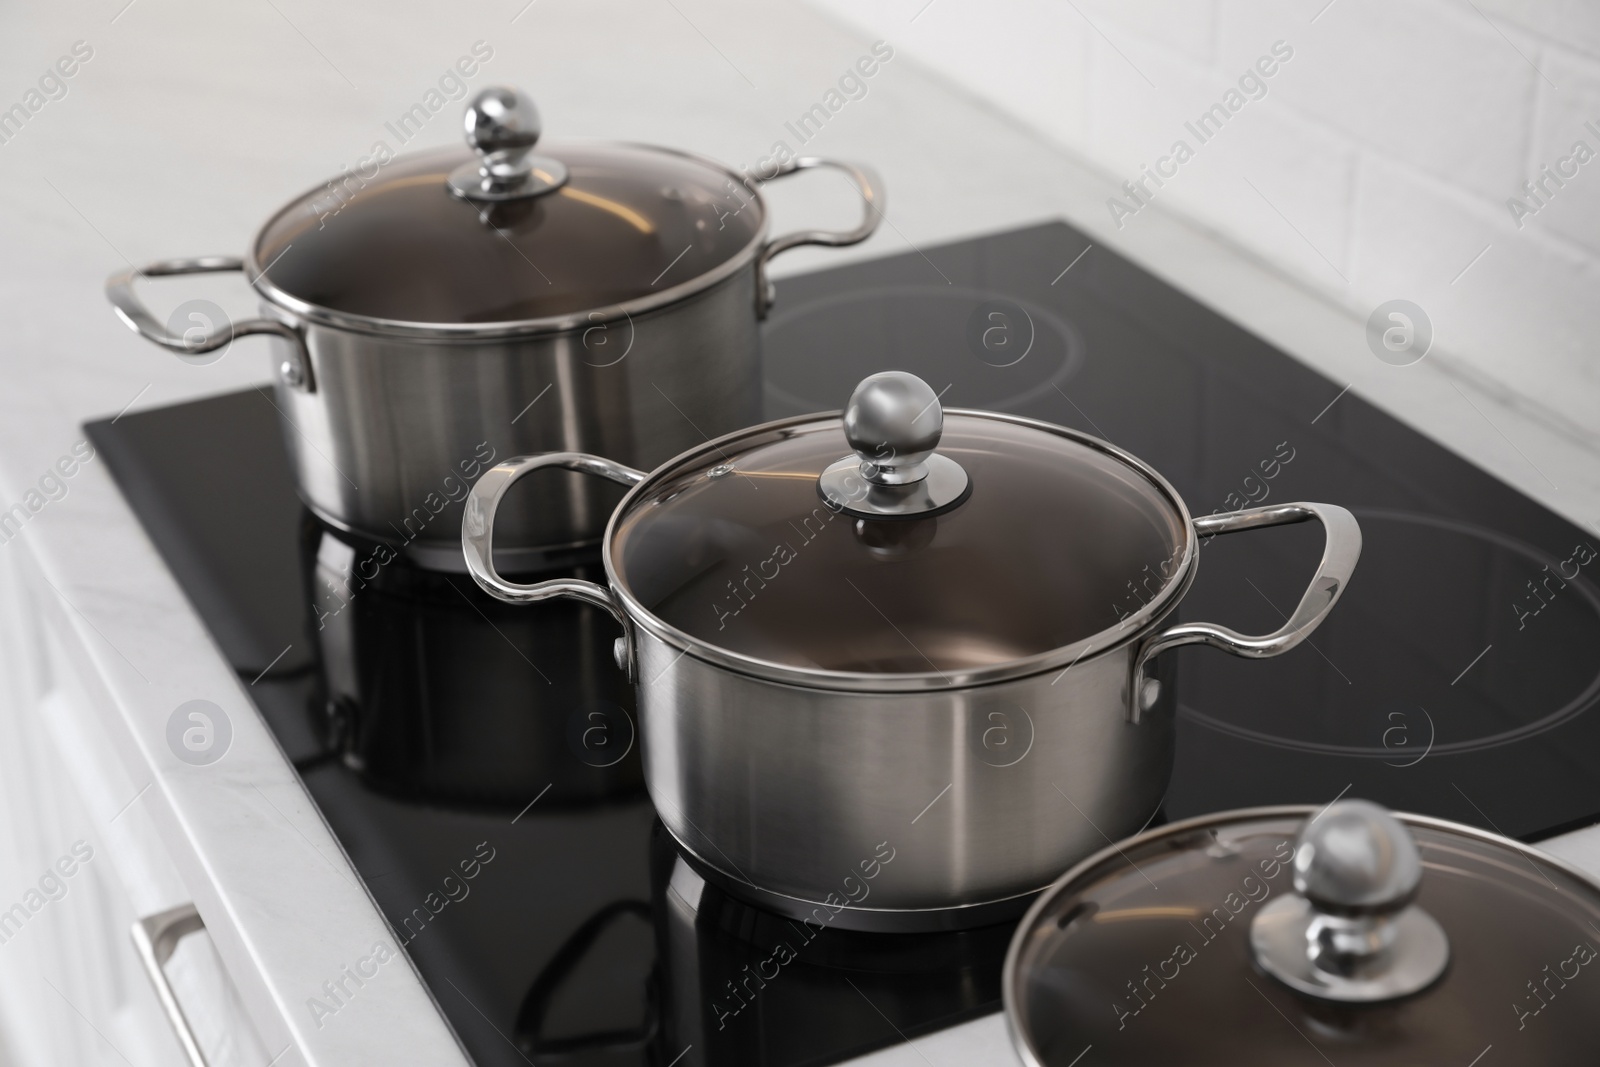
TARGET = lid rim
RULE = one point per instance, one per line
(481, 331)
(1020, 1043)
(1137, 624)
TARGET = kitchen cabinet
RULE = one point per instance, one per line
(80, 861)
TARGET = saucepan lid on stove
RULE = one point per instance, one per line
(507, 228)
(1297, 936)
(904, 547)
(987, 539)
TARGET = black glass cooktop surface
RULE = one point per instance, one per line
(442, 732)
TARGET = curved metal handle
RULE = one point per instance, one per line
(1339, 555)
(477, 537)
(871, 190)
(296, 370)
(154, 938)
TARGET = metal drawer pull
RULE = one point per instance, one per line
(155, 937)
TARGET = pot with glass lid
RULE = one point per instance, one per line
(1301, 935)
(435, 311)
(885, 673)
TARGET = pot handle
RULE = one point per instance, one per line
(295, 371)
(866, 183)
(1339, 554)
(477, 538)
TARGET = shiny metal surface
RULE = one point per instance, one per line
(397, 431)
(387, 422)
(779, 779)
(766, 784)
(154, 939)
(777, 787)
(477, 537)
(1350, 932)
(502, 126)
(1339, 555)
(893, 422)
(295, 367)
(944, 486)
(386, 434)
(867, 184)
(984, 793)
(1356, 859)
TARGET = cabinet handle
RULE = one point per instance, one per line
(155, 937)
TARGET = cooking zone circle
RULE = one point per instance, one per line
(1519, 665)
(977, 348)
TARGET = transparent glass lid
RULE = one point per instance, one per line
(1050, 540)
(436, 238)
(1148, 956)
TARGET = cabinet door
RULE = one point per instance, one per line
(80, 861)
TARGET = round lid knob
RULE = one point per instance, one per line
(1350, 932)
(501, 119)
(502, 125)
(1356, 859)
(894, 421)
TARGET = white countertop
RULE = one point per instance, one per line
(192, 122)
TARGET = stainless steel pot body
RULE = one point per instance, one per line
(397, 429)
(907, 802)
(793, 797)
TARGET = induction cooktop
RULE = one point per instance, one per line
(440, 731)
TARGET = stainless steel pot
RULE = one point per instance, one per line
(434, 312)
(899, 673)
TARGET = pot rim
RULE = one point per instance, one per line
(484, 331)
(1009, 974)
(1135, 626)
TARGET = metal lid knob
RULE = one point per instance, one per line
(894, 422)
(1357, 860)
(503, 120)
(1351, 932)
(502, 125)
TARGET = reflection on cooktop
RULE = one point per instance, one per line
(435, 692)
(816, 990)
(434, 726)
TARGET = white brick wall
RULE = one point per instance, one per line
(1377, 166)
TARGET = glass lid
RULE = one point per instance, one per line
(1298, 936)
(495, 233)
(901, 541)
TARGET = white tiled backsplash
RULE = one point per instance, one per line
(1376, 162)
